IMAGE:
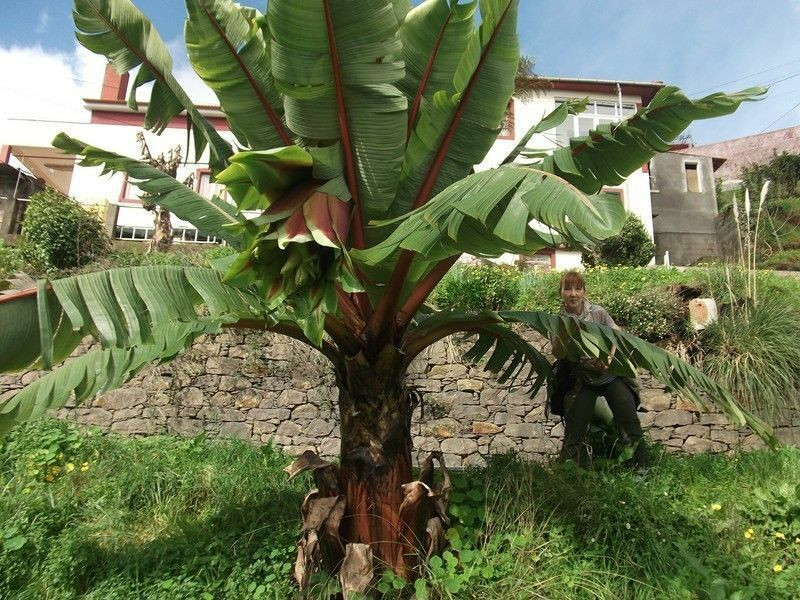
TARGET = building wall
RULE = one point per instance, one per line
(750, 150)
(635, 190)
(88, 185)
(683, 221)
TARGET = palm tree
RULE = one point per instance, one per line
(359, 122)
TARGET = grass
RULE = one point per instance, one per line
(754, 352)
(170, 518)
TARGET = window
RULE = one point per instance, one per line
(692, 172)
(130, 193)
(133, 233)
(507, 127)
(543, 260)
(207, 189)
(597, 113)
(189, 234)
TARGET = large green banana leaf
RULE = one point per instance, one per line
(580, 339)
(119, 307)
(229, 51)
(120, 32)
(97, 371)
(612, 152)
(546, 123)
(209, 215)
(456, 129)
(435, 35)
(489, 213)
(336, 64)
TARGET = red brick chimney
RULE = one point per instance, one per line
(115, 86)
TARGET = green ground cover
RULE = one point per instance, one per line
(84, 515)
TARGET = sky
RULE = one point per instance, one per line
(700, 46)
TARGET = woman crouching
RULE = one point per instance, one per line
(591, 379)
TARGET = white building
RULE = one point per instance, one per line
(113, 126)
(609, 102)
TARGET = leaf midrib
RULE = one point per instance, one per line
(276, 123)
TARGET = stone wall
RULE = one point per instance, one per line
(263, 387)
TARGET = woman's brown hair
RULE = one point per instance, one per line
(572, 278)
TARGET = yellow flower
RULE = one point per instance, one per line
(748, 535)
(55, 470)
(85, 466)
(48, 478)
(777, 568)
(779, 535)
(797, 540)
(716, 506)
(70, 467)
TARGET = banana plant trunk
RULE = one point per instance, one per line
(369, 513)
(375, 463)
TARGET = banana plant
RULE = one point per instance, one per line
(357, 125)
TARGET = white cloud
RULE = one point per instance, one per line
(40, 84)
(44, 21)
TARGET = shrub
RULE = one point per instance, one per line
(131, 258)
(632, 247)
(653, 315)
(58, 233)
(10, 261)
(637, 299)
(479, 287)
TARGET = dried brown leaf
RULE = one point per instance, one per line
(440, 491)
(308, 460)
(434, 536)
(308, 558)
(317, 511)
(414, 493)
(356, 571)
(334, 520)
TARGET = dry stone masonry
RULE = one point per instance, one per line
(267, 388)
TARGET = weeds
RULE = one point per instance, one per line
(173, 518)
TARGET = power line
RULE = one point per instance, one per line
(745, 77)
(781, 79)
(779, 118)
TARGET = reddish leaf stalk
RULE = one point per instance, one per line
(347, 145)
(438, 161)
(422, 290)
(423, 83)
(18, 295)
(382, 319)
(273, 117)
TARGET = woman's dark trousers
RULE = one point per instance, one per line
(579, 418)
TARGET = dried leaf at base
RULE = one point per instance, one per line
(356, 571)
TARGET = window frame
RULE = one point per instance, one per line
(597, 118)
(509, 131)
(126, 201)
(698, 170)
